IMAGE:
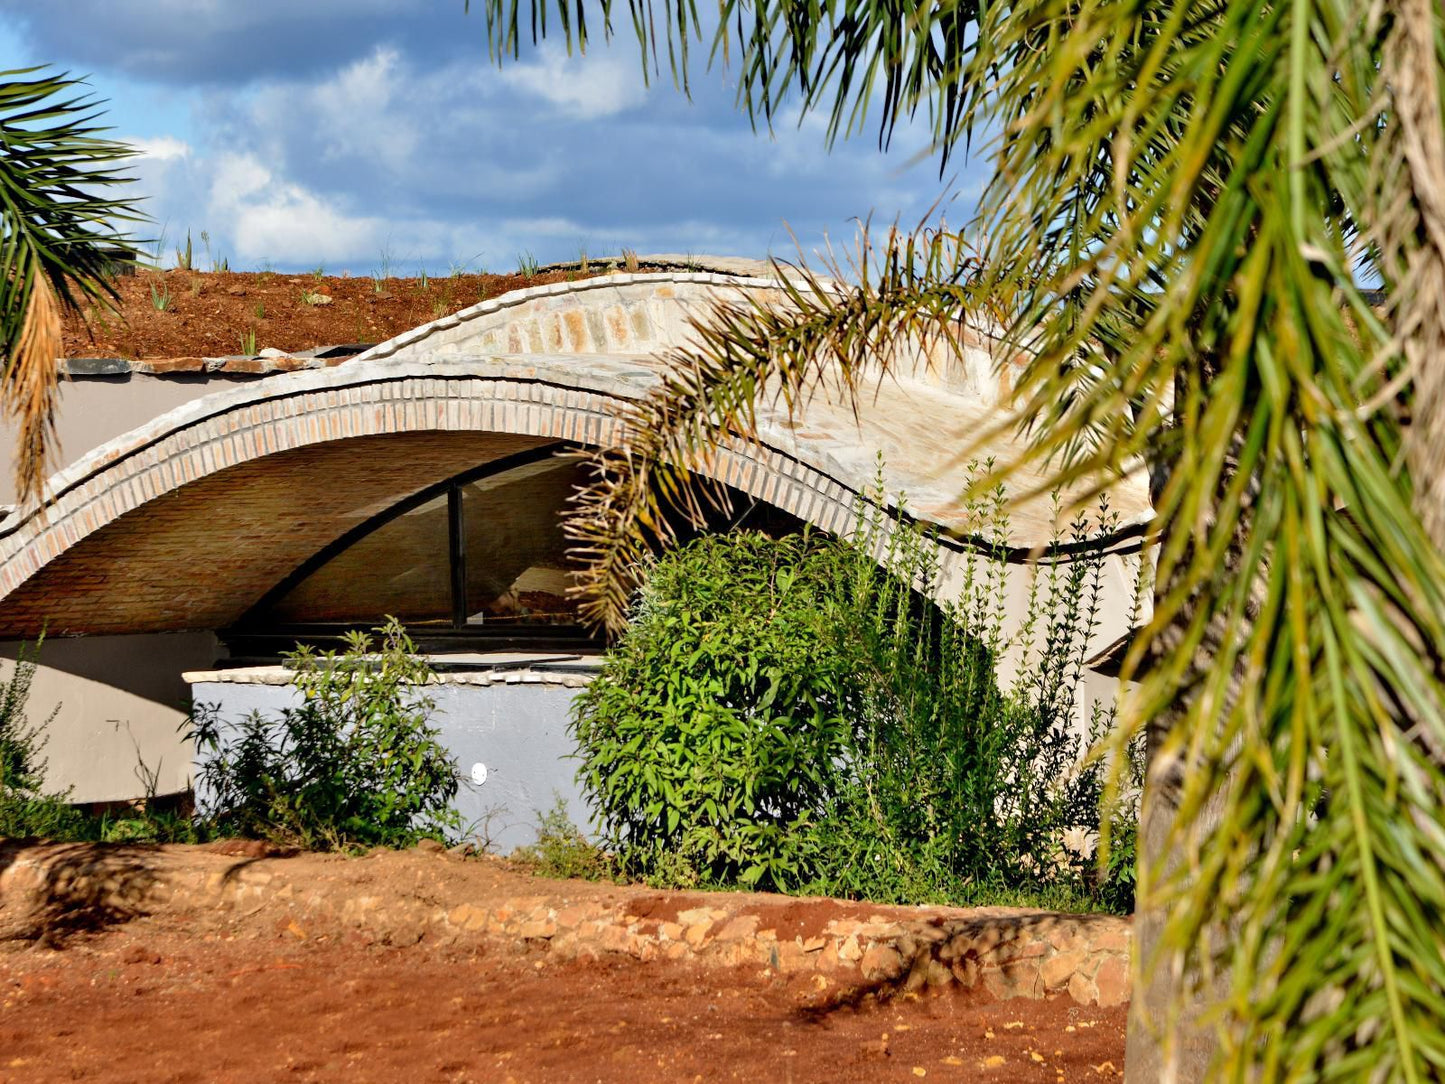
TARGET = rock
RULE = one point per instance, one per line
(1056, 971)
(459, 914)
(965, 971)
(743, 926)
(881, 963)
(430, 846)
(696, 932)
(570, 917)
(236, 291)
(270, 352)
(849, 950)
(1116, 940)
(1112, 982)
(1083, 990)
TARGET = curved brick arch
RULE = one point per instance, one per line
(613, 314)
(130, 523)
(110, 553)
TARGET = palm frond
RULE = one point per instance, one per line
(910, 300)
(1187, 184)
(895, 57)
(54, 230)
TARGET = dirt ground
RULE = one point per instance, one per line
(206, 995)
(168, 314)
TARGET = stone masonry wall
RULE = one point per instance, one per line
(436, 896)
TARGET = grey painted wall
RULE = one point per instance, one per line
(95, 409)
(120, 706)
(517, 731)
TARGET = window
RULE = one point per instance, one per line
(480, 555)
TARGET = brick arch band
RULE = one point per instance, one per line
(154, 506)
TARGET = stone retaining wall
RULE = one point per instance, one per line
(1004, 952)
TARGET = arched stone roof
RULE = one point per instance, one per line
(183, 522)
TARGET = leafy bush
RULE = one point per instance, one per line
(784, 713)
(719, 727)
(356, 764)
(25, 809)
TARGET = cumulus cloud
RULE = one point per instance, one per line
(585, 87)
(270, 218)
(394, 133)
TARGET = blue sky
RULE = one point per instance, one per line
(362, 133)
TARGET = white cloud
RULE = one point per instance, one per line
(267, 217)
(584, 87)
(417, 146)
(354, 114)
(159, 148)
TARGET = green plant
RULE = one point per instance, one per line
(260, 310)
(183, 256)
(216, 264)
(715, 728)
(527, 265)
(782, 713)
(161, 298)
(356, 764)
(311, 297)
(248, 342)
(629, 260)
(318, 272)
(562, 850)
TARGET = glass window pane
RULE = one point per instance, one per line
(517, 566)
(401, 568)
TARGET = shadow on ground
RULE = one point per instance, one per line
(50, 892)
(923, 961)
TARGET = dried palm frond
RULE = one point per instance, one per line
(55, 231)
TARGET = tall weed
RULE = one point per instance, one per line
(356, 764)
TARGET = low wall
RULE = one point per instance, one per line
(506, 725)
(429, 895)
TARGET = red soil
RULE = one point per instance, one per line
(199, 994)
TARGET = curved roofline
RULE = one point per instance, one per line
(281, 383)
(514, 298)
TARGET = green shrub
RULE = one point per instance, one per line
(720, 725)
(357, 764)
(785, 714)
(25, 809)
